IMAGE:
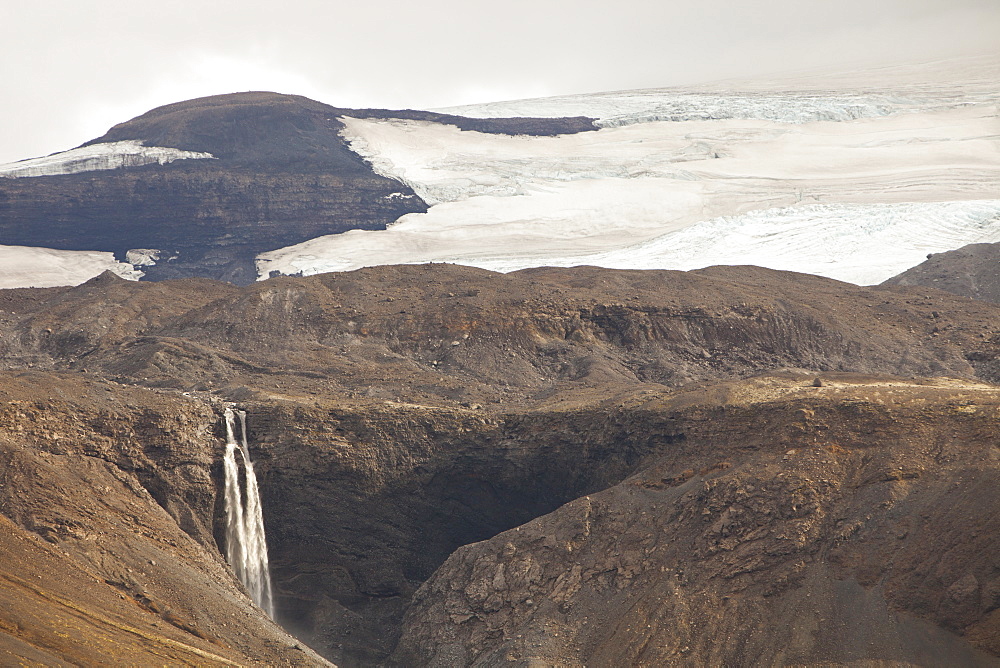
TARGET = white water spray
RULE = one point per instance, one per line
(246, 548)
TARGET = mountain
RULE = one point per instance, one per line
(971, 271)
(855, 176)
(199, 188)
(397, 414)
(440, 464)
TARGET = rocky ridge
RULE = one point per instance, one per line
(444, 333)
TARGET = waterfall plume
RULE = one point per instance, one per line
(246, 547)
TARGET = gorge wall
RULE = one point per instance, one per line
(107, 496)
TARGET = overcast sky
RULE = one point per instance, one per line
(72, 68)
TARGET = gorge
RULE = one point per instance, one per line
(611, 492)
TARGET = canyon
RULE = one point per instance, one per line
(459, 467)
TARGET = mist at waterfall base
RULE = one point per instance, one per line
(246, 547)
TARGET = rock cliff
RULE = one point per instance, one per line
(790, 525)
(107, 496)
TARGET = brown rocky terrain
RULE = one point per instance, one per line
(550, 467)
(970, 271)
(784, 524)
(453, 335)
(282, 175)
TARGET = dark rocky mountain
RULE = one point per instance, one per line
(282, 175)
(620, 498)
(971, 271)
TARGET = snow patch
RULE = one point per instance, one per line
(32, 267)
(113, 155)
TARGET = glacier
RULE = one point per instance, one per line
(610, 197)
(629, 107)
(857, 243)
(863, 244)
(111, 155)
(809, 96)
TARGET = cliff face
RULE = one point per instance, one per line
(281, 175)
(366, 500)
(460, 467)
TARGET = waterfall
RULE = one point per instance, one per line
(246, 548)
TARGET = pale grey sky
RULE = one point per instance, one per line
(72, 68)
